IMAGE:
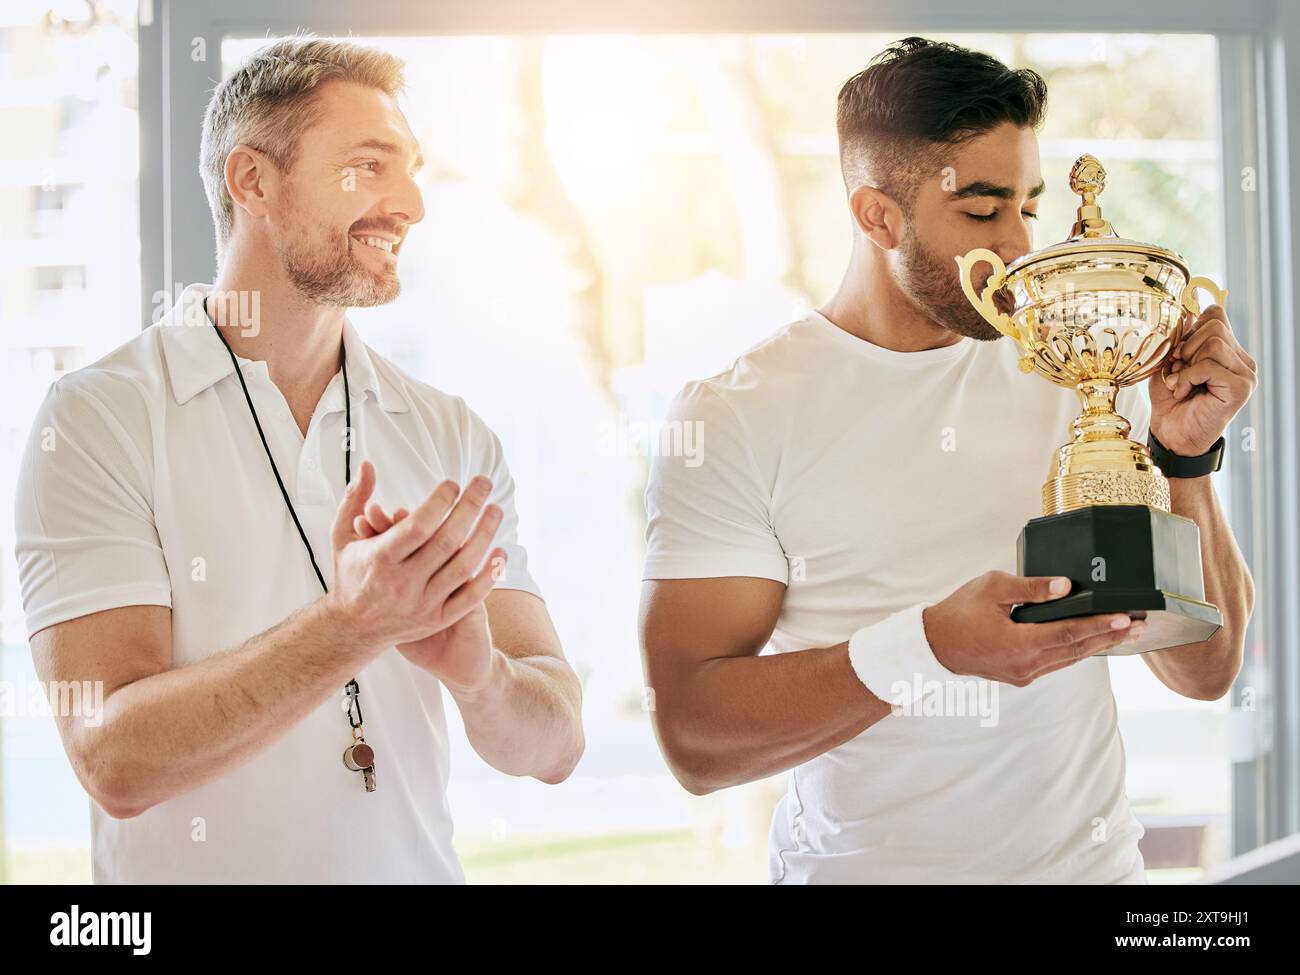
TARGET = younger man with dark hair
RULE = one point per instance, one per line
(869, 446)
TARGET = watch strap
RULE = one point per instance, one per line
(1176, 465)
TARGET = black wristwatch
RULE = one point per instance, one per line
(1176, 465)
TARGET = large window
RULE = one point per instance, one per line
(70, 282)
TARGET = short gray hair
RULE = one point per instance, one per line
(269, 102)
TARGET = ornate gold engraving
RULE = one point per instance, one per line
(1094, 313)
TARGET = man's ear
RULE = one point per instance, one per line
(251, 180)
(878, 217)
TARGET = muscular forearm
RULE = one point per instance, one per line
(1206, 670)
(527, 719)
(168, 733)
(738, 719)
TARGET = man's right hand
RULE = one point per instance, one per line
(972, 633)
(416, 579)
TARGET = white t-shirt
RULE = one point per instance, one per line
(145, 483)
(871, 482)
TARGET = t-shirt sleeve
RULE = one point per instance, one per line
(1133, 404)
(487, 457)
(708, 509)
(85, 536)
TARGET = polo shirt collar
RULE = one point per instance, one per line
(196, 359)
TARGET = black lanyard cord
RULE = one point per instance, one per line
(353, 689)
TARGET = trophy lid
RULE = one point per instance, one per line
(1092, 235)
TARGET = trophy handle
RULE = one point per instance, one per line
(1189, 302)
(984, 302)
(1188, 298)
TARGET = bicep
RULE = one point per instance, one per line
(105, 650)
(521, 625)
(521, 628)
(715, 572)
(685, 622)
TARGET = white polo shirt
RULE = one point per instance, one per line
(144, 483)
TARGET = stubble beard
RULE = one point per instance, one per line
(933, 286)
(326, 269)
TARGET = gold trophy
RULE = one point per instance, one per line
(1095, 313)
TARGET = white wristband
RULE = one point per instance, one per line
(894, 660)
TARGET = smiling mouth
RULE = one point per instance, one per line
(383, 245)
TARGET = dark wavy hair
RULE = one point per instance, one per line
(916, 100)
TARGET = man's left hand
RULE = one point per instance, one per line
(1213, 377)
(461, 655)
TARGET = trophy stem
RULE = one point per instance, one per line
(1101, 465)
(1099, 421)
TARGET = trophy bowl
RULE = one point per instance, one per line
(1095, 313)
(1114, 318)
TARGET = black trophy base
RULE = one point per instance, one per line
(1121, 558)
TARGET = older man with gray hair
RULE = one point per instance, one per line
(210, 522)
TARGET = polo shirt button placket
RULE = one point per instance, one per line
(309, 487)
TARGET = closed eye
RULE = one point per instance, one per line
(986, 217)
